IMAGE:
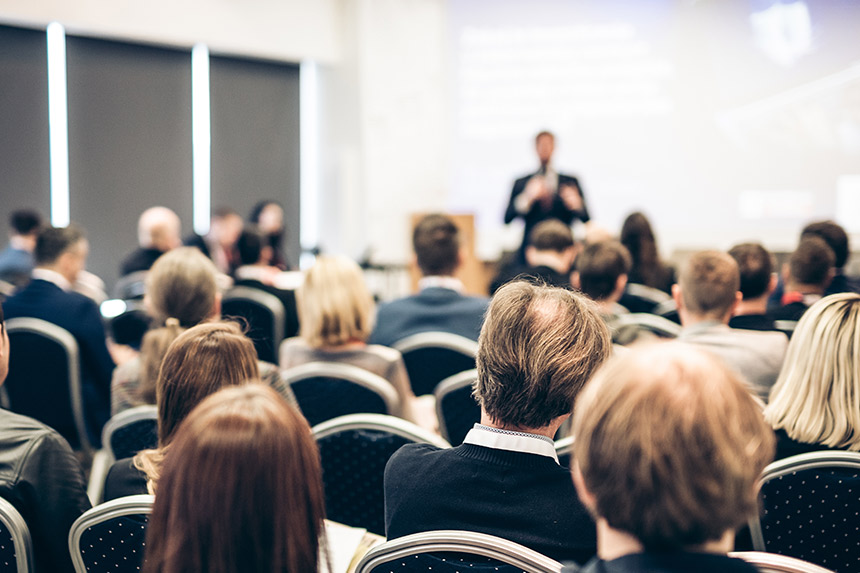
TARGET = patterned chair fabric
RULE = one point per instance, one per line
(456, 409)
(111, 536)
(455, 552)
(810, 509)
(354, 450)
(264, 313)
(131, 431)
(431, 357)
(16, 548)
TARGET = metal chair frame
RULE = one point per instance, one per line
(435, 339)
(124, 418)
(350, 373)
(13, 521)
(648, 293)
(445, 387)
(129, 505)
(378, 422)
(651, 322)
(775, 563)
(266, 299)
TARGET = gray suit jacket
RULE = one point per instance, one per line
(757, 356)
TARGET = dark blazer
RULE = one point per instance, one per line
(434, 309)
(287, 298)
(80, 316)
(124, 479)
(139, 260)
(752, 322)
(543, 273)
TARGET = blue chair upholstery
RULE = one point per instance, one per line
(354, 450)
(264, 314)
(455, 552)
(456, 409)
(111, 536)
(16, 548)
(431, 357)
(131, 431)
(810, 509)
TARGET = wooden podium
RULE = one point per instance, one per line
(472, 271)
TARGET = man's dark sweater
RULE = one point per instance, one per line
(523, 497)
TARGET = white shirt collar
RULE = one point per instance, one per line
(441, 282)
(499, 439)
(52, 277)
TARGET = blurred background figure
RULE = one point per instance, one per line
(647, 268)
(268, 216)
(158, 231)
(219, 244)
(16, 260)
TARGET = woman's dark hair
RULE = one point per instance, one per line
(637, 236)
(241, 490)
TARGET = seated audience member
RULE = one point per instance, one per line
(61, 255)
(538, 347)
(262, 507)
(549, 255)
(757, 282)
(806, 276)
(201, 361)
(158, 231)
(41, 477)
(601, 274)
(335, 318)
(268, 216)
(837, 239)
(219, 244)
(256, 272)
(813, 405)
(440, 306)
(668, 452)
(646, 267)
(16, 260)
(706, 295)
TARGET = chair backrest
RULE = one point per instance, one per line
(810, 509)
(564, 451)
(44, 380)
(642, 298)
(326, 390)
(265, 315)
(786, 326)
(16, 547)
(131, 431)
(354, 450)
(430, 357)
(455, 551)
(658, 325)
(456, 409)
(773, 563)
(131, 286)
(111, 536)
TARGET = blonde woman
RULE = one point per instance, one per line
(815, 403)
(336, 313)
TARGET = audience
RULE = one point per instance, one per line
(336, 318)
(757, 283)
(549, 256)
(441, 305)
(16, 260)
(158, 231)
(836, 238)
(41, 477)
(537, 348)
(601, 274)
(61, 255)
(707, 295)
(268, 216)
(241, 490)
(201, 361)
(646, 268)
(806, 276)
(219, 244)
(668, 452)
(815, 403)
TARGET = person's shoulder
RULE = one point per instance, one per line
(10, 422)
(386, 353)
(411, 456)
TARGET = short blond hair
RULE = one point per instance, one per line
(671, 444)
(335, 307)
(709, 283)
(816, 398)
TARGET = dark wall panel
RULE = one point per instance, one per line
(129, 141)
(255, 138)
(25, 177)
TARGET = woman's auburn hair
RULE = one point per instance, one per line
(241, 489)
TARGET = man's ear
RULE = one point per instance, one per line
(772, 284)
(677, 296)
(530, 254)
(574, 280)
(585, 496)
(620, 284)
(216, 306)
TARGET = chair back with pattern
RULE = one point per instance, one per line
(111, 536)
(131, 431)
(642, 298)
(430, 357)
(327, 390)
(16, 547)
(456, 409)
(773, 563)
(810, 509)
(455, 552)
(354, 450)
(44, 380)
(264, 313)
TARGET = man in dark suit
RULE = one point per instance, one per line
(545, 194)
(440, 306)
(757, 282)
(60, 256)
(549, 257)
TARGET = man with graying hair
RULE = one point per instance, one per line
(538, 347)
(158, 231)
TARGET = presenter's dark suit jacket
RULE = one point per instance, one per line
(538, 213)
(434, 309)
(80, 316)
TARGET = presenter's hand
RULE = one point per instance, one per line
(571, 197)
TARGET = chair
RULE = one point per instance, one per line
(773, 563)
(430, 357)
(810, 504)
(564, 451)
(642, 298)
(126, 321)
(786, 326)
(354, 450)
(456, 409)
(16, 548)
(641, 321)
(455, 551)
(111, 536)
(131, 286)
(265, 315)
(326, 390)
(46, 363)
(131, 431)
(668, 310)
